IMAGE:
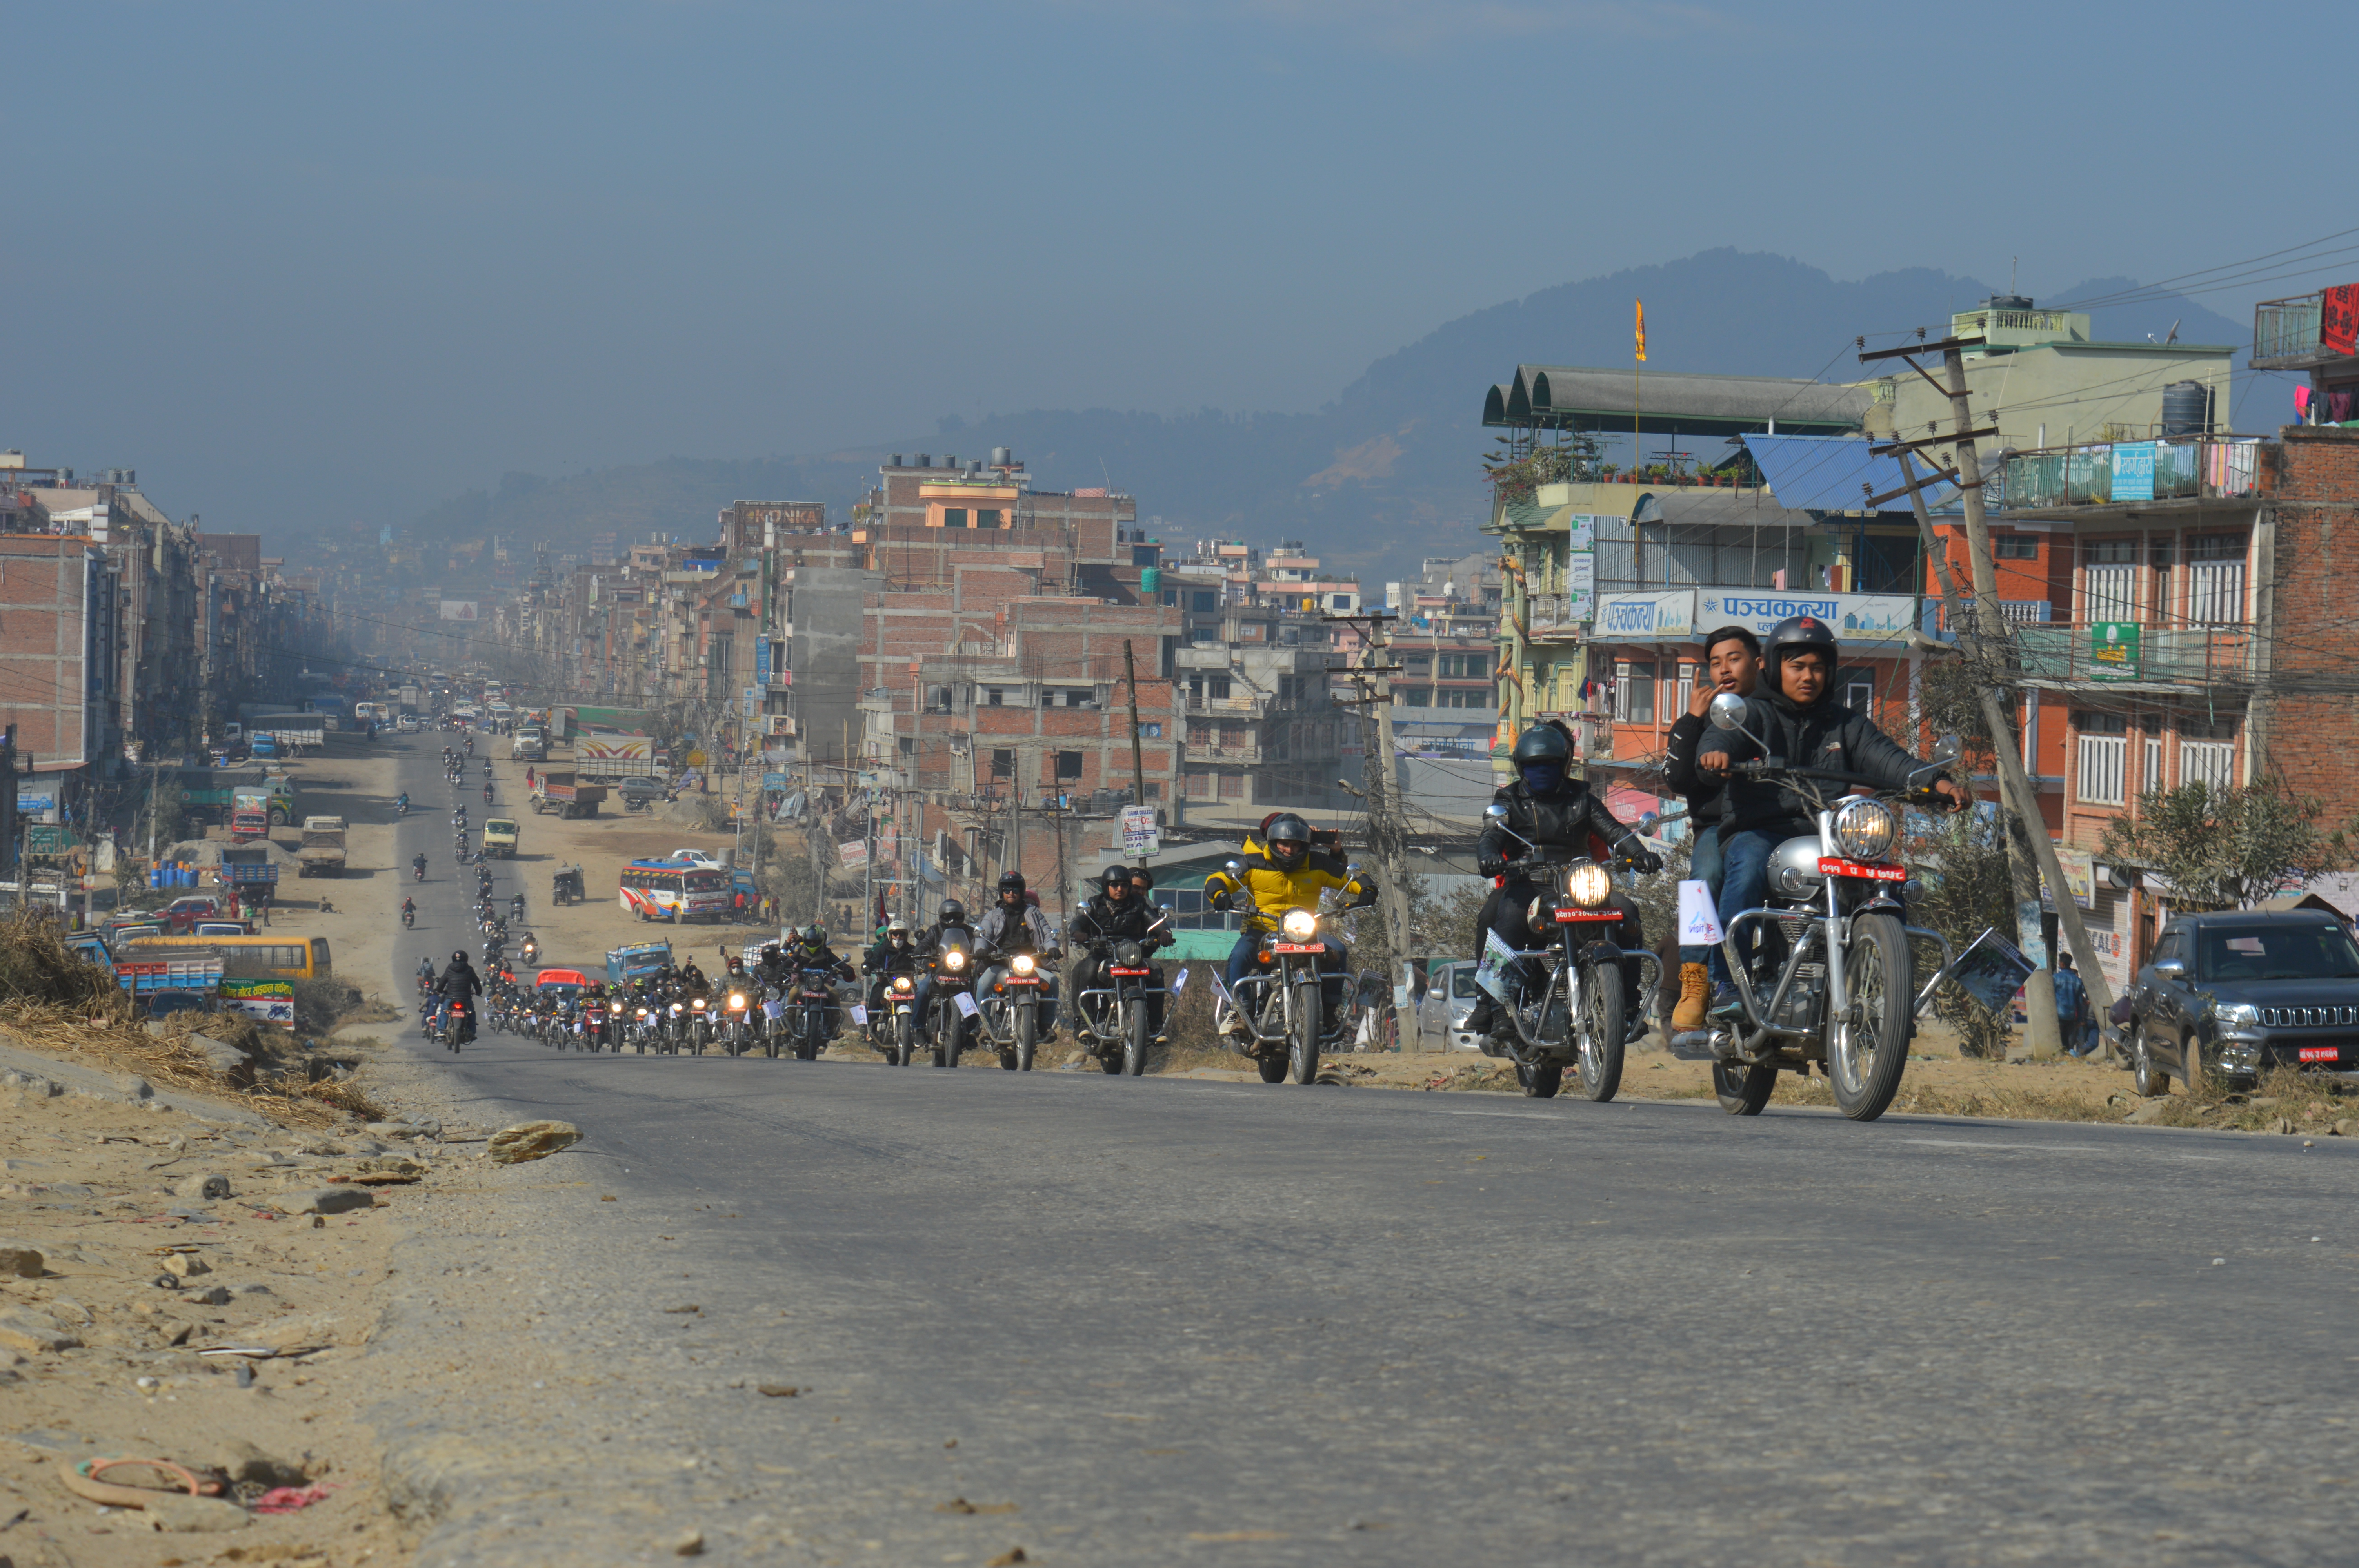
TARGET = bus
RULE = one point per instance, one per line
(280, 958)
(668, 889)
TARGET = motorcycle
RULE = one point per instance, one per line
(1114, 1023)
(814, 1012)
(733, 1028)
(1837, 905)
(593, 1029)
(1564, 1004)
(418, 869)
(893, 1026)
(1282, 1004)
(459, 1023)
(409, 917)
(565, 887)
(1010, 1018)
(946, 1021)
(643, 1027)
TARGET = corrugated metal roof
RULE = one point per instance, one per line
(1826, 473)
(1672, 402)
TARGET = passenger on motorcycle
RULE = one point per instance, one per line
(1015, 925)
(460, 986)
(895, 954)
(1117, 913)
(1548, 807)
(1281, 873)
(1795, 713)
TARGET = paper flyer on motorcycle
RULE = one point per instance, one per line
(1491, 973)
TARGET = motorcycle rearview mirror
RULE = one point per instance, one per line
(1495, 812)
(1235, 868)
(1727, 712)
(1948, 748)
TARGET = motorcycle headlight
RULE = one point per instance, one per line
(1866, 830)
(1022, 963)
(1300, 924)
(736, 1003)
(643, 1013)
(698, 1004)
(954, 960)
(901, 982)
(1588, 884)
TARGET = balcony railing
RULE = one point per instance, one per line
(2178, 655)
(2110, 474)
(2285, 333)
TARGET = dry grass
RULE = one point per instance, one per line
(2286, 1100)
(169, 1061)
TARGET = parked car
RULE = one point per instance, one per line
(1449, 995)
(638, 795)
(183, 912)
(2232, 993)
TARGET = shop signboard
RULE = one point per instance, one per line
(2114, 650)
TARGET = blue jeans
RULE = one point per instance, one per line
(1705, 866)
(1743, 884)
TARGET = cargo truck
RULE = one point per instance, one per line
(247, 866)
(607, 757)
(530, 745)
(554, 789)
(323, 854)
(209, 795)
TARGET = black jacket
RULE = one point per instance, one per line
(887, 959)
(460, 982)
(1707, 798)
(1824, 735)
(1562, 819)
(1101, 921)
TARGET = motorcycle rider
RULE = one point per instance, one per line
(418, 866)
(950, 926)
(460, 986)
(401, 804)
(1796, 714)
(1284, 872)
(1015, 925)
(692, 981)
(408, 911)
(895, 954)
(1117, 913)
(1731, 658)
(810, 951)
(1555, 811)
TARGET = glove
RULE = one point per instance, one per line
(1645, 861)
(1492, 866)
(1222, 900)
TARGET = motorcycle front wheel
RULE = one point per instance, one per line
(1302, 1035)
(897, 1053)
(1597, 1035)
(1135, 1040)
(1868, 1051)
(1539, 1080)
(1273, 1068)
(1026, 1023)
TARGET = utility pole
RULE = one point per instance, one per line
(1387, 836)
(1138, 762)
(1985, 625)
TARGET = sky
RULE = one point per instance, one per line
(302, 265)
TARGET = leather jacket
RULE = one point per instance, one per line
(1565, 817)
(1824, 735)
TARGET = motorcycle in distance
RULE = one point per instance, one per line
(953, 969)
(408, 914)
(1837, 906)
(1010, 1016)
(893, 1027)
(814, 1011)
(1282, 1004)
(459, 1023)
(418, 869)
(733, 1026)
(1575, 1016)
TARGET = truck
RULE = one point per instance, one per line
(612, 756)
(247, 866)
(209, 795)
(323, 854)
(554, 789)
(530, 745)
(253, 814)
(499, 838)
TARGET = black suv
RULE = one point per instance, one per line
(2230, 994)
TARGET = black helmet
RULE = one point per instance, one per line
(1796, 633)
(1287, 836)
(954, 913)
(459, 956)
(1012, 882)
(1541, 743)
(815, 935)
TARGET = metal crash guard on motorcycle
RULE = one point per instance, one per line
(1724, 1042)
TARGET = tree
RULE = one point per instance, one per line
(2225, 848)
(1966, 887)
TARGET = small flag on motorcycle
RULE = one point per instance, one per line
(1698, 922)
(1179, 982)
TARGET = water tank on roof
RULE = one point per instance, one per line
(1151, 580)
(951, 461)
(924, 461)
(2186, 406)
(894, 462)
(1002, 456)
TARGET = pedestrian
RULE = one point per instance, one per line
(262, 902)
(2073, 1022)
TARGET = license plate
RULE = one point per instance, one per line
(1832, 865)
(1130, 971)
(1298, 947)
(1566, 916)
(1029, 979)
(2322, 1052)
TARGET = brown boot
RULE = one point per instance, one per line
(1695, 998)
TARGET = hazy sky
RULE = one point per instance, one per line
(308, 263)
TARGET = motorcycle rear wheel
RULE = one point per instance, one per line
(1597, 1039)
(1868, 1053)
(1743, 1090)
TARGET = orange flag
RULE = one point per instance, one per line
(1642, 331)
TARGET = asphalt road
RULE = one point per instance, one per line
(1181, 1321)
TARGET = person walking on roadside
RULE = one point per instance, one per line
(2078, 1030)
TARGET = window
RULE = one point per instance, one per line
(986, 519)
(1204, 600)
(1069, 766)
(2113, 593)
(1002, 763)
(954, 517)
(1682, 695)
(1420, 663)
(993, 697)
(2212, 762)
(1199, 784)
(1633, 690)
(2015, 548)
(2152, 777)
(1233, 786)
(1855, 689)
(1217, 688)
(1418, 697)
(2104, 755)
(2215, 580)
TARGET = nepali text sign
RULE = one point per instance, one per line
(2338, 318)
(2133, 470)
(1852, 617)
(2114, 650)
(1140, 835)
(458, 609)
(1646, 617)
(854, 853)
(266, 1002)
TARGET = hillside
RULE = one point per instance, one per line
(1385, 474)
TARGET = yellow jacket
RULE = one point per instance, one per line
(1274, 891)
